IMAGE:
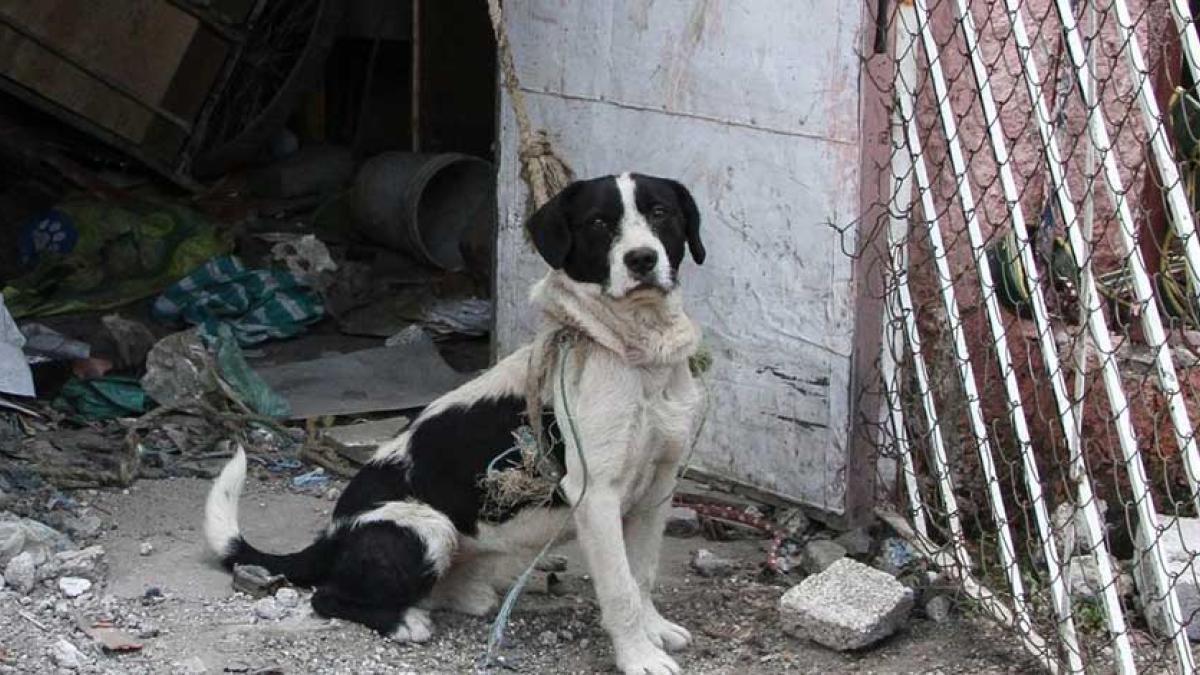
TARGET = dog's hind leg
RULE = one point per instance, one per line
(387, 562)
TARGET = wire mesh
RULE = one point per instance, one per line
(1036, 246)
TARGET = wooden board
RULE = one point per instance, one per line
(136, 43)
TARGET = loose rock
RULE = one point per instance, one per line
(819, 554)
(708, 564)
(81, 563)
(255, 580)
(857, 542)
(267, 609)
(73, 587)
(895, 555)
(793, 521)
(145, 548)
(938, 608)
(848, 606)
(67, 655)
(552, 562)
(83, 526)
(21, 572)
(287, 597)
(682, 522)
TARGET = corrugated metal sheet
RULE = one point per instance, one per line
(754, 106)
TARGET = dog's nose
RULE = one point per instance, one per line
(641, 260)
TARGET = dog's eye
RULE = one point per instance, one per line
(658, 212)
(598, 224)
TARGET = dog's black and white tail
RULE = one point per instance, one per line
(304, 568)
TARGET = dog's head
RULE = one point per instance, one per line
(625, 234)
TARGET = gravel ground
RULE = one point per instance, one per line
(179, 605)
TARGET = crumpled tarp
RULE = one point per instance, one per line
(15, 376)
(92, 255)
(258, 305)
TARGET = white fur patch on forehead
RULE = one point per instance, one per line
(634, 233)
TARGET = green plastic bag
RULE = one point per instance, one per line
(103, 398)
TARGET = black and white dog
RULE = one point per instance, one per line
(412, 531)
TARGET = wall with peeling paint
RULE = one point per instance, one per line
(755, 107)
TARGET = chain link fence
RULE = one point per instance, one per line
(1041, 346)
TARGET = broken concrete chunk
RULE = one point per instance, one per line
(1179, 543)
(708, 564)
(682, 522)
(73, 587)
(857, 542)
(848, 606)
(819, 554)
(21, 572)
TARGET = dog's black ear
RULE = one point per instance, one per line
(550, 229)
(691, 217)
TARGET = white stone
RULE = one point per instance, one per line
(21, 572)
(287, 597)
(67, 655)
(1179, 544)
(708, 564)
(848, 606)
(267, 609)
(73, 587)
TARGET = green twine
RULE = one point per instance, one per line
(496, 635)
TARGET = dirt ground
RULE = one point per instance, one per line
(200, 624)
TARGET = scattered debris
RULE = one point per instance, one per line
(682, 522)
(708, 564)
(73, 587)
(819, 554)
(43, 343)
(82, 563)
(255, 580)
(145, 548)
(306, 257)
(793, 521)
(895, 555)
(848, 606)
(317, 478)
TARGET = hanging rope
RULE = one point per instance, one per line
(544, 172)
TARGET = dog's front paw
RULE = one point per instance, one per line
(416, 626)
(643, 658)
(669, 636)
